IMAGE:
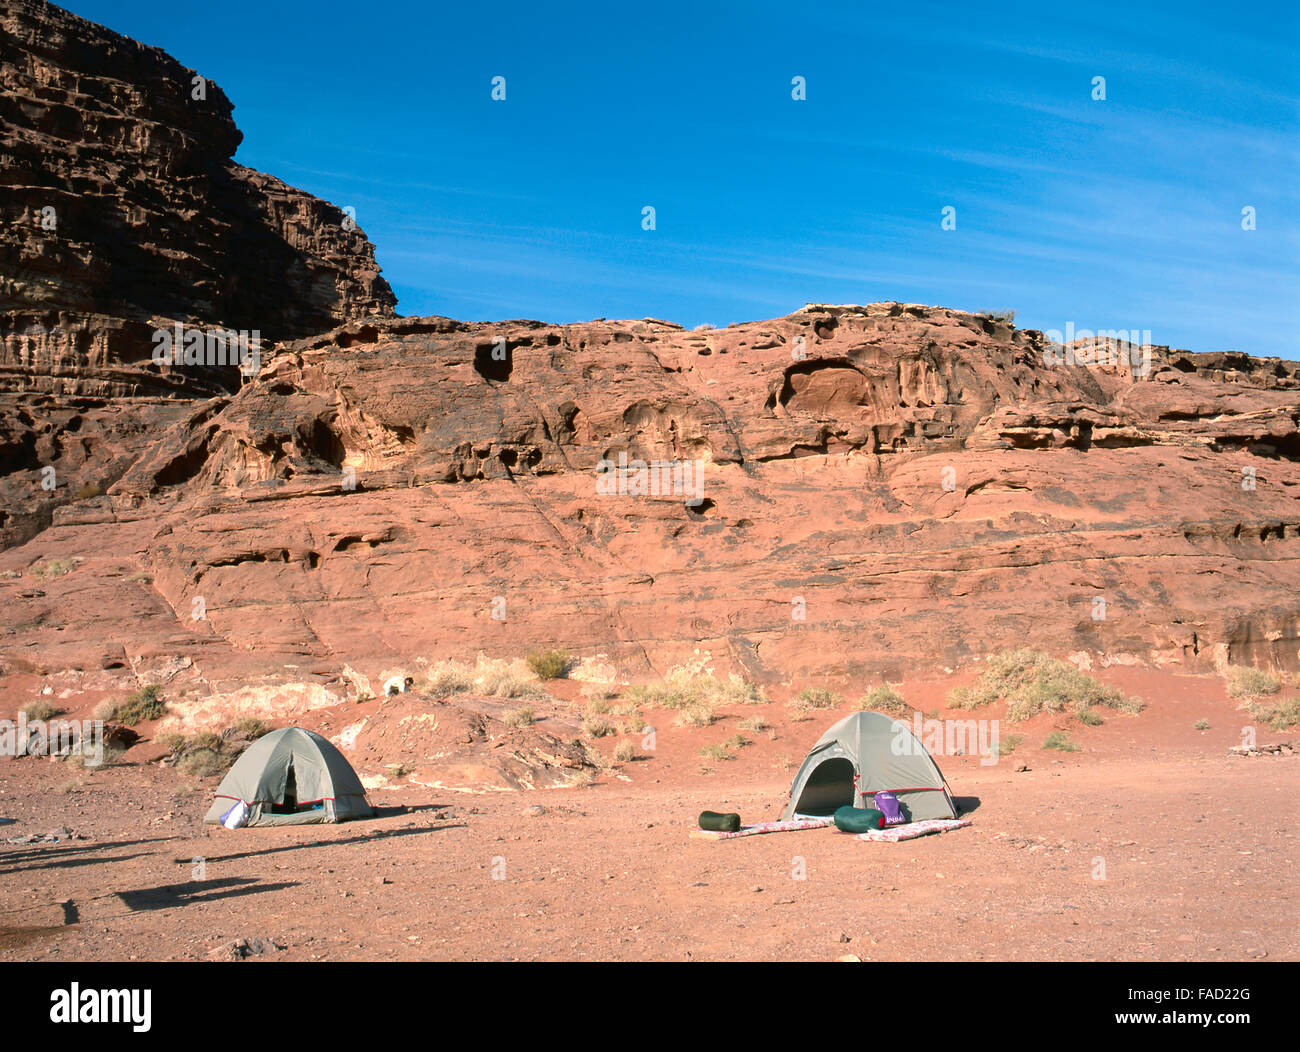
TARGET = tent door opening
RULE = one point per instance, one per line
(289, 805)
(829, 786)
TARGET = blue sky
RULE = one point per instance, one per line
(1123, 213)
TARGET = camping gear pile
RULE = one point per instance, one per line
(867, 775)
(289, 777)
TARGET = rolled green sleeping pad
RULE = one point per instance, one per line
(719, 823)
(857, 819)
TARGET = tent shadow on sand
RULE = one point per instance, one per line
(325, 843)
(170, 896)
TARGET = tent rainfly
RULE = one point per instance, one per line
(863, 754)
(291, 777)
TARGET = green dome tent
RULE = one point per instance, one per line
(863, 754)
(291, 777)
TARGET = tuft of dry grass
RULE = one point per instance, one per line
(520, 717)
(597, 727)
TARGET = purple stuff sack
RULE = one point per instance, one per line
(887, 804)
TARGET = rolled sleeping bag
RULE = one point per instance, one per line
(849, 819)
(719, 823)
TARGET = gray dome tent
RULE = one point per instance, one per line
(291, 777)
(864, 754)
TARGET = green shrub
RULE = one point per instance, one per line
(1201, 725)
(1090, 718)
(716, 752)
(144, 705)
(549, 664)
(1060, 741)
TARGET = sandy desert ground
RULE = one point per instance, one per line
(1198, 847)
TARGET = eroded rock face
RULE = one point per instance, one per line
(871, 489)
(123, 214)
(918, 483)
(123, 207)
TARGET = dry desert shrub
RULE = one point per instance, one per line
(1247, 682)
(597, 727)
(887, 700)
(446, 678)
(625, 752)
(53, 568)
(694, 683)
(39, 710)
(550, 664)
(492, 677)
(520, 717)
(1281, 716)
(1030, 682)
(697, 714)
(803, 704)
(89, 762)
